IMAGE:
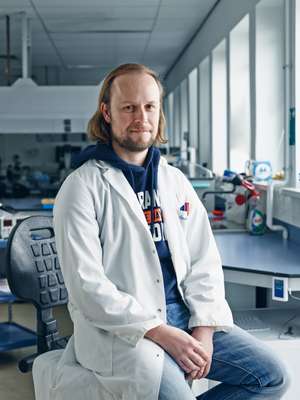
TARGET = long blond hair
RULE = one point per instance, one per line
(98, 128)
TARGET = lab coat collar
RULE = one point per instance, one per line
(118, 181)
(168, 197)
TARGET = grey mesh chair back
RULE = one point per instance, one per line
(34, 275)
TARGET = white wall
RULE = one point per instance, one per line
(28, 108)
(225, 16)
(287, 208)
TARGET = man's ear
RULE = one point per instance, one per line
(105, 112)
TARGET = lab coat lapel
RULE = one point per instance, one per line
(169, 205)
(118, 181)
(168, 194)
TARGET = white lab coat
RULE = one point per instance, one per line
(113, 273)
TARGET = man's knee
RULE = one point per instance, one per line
(280, 378)
(275, 375)
(173, 384)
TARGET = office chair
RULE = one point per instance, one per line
(34, 275)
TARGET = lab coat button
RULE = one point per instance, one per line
(159, 309)
(157, 280)
(157, 355)
(153, 251)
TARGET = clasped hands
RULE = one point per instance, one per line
(204, 336)
(193, 353)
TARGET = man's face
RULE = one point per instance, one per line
(134, 111)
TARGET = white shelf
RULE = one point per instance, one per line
(292, 192)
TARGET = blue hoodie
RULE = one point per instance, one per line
(143, 180)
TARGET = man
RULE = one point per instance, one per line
(144, 277)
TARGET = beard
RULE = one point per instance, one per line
(133, 145)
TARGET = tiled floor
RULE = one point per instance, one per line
(15, 385)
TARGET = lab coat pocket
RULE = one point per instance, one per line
(93, 347)
(139, 366)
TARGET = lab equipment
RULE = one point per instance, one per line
(260, 170)
(10, 216)
(235, 191)
(7, 221)
(201, 178)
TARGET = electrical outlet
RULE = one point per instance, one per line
(280, 287)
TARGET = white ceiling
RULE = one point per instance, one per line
(78, 41)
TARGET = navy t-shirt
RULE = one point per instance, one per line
(150, 203)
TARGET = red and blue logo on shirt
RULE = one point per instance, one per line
(184, 210)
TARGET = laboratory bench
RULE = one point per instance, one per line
(247, 260)
(254, 260)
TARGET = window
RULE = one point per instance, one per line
(219, 109)
(204, 113)
(193, 108)
(169, 114)
(270, 82)
(176, 118)
(184, 109)
(239, 96)
(166, 113)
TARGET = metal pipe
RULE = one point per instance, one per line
(8, 55)
(24, 47)
(208, 172)
(29, 50)
(204, 194)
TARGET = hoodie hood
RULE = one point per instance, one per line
(105, 152)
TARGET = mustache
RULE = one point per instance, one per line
(140, 128)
